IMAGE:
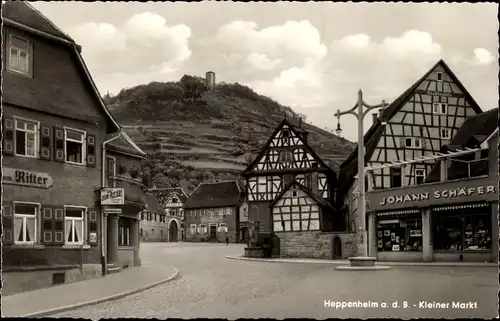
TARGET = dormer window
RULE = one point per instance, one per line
(440, 76)
(19, 55)
(412, 142)
(440, 108)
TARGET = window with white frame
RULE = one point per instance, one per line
(419, 176)
(412, 142)
(192, 229)
(74, 146)
(124, 225)
(74, 226)
(440, 76)
(202, 229)
(440, 108)
(26, 139)
(295, 192)
(222, 228)
(25, 214)
(19, 55)
(445, 133)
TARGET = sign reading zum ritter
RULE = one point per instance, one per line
(112, 196)
(14, 176)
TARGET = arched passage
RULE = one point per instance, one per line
(173, 231)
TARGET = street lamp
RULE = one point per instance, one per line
(362, 258)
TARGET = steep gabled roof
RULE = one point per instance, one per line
(164, 194)
(349, 166)
(209, 195)
(321, 202)
(124, 144)
(473, 132)
(152, 204)
(297, 131)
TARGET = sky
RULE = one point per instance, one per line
(313, 57)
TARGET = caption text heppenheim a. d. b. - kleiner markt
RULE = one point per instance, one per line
(402, 304)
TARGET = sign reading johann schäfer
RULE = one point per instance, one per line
(338, 305)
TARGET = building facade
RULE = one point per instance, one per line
(212, 212)
(54, 126)
(453, 215)
(286, 167)
(425, 117)
(172, 201)
(154, 223)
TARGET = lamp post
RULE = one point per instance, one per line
(360, 110)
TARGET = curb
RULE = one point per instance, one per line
(101, 300)
(331, 262)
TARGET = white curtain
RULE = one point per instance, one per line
(67, 230)
(30, 229)
(18, 224)
(78, 231)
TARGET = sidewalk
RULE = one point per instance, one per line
(75, 295)
(346, 262)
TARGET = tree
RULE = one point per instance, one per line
(193, 87)
(208, 176)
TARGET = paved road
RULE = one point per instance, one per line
(212, 286)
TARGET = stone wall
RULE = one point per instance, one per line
(315, 244)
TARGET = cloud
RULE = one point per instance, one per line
(261, 61)
(143, 42)
(483, 56)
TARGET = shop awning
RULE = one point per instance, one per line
(459, 207)
(399, 212)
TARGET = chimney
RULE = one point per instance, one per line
(375, 118)
(380, 112)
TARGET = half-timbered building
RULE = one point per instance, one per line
(424, 118)
(286, 161)
(453, 215)
(55, 134)
(172, 201)
(153, 221)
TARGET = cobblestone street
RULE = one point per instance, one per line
(212, 286)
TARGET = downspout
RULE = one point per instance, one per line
(103, 184)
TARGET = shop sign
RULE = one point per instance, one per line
(93, 237)
(438, 195)
(112, 196)
(111, 210)
(22, 177)
(438, 93)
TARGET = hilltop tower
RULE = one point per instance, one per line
(210, 80)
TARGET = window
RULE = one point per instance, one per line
(192, 229)
(440, 76)
(285, 156)
(440, 108)
(26, 138)
(291, 218)
(419, 176)
(469, 232)
(295, 193)
(73, 147)
(202, 229)
(222, 228)
(397, 235)
(25, 231)
(285, 133)
(19, 55)
(445, 133)
(412, 142)
(74, 224)
(174, 200)
(396, 177)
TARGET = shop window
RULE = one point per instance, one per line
(396, 177)
(399, 235)
(462, 232)
(419, 176)
(25, 230)
(124, 225)
(192, 229)
(26, 138)
(73, 146)
(73, 224)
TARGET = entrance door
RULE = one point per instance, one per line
(173, 231)
(337, 248)
(213, 233)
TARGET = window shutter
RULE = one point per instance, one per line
(59, 144)
(45, 142)
(7, 223)
(58, 226)
(47, 237)
(92, 225)
(91, 151)
(8, 135)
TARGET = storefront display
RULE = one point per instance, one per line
(400, 235)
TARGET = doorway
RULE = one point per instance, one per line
(213, 233)
(173, 231)
(337, 248)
